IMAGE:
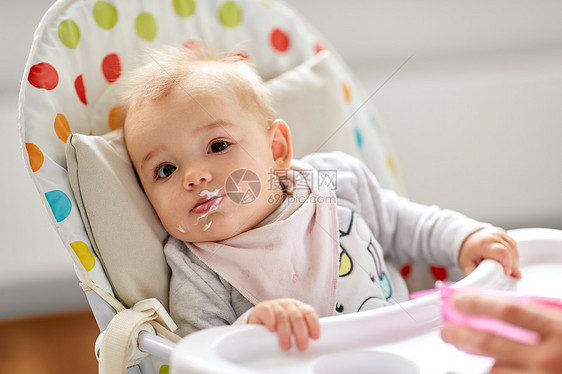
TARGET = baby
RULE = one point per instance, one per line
(259, 237)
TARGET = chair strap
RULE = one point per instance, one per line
(119, 347)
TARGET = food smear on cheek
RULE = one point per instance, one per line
(206, 227)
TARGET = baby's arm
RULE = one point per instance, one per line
(408, 232)
(493, 243)
(288, 317)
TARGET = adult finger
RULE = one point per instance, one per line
(508, 368)
(529, 316)
(486, 344)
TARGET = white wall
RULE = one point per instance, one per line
(475, 115)
(475, 118)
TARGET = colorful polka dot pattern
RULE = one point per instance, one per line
(105, 15)
(280, 40)
(84, 254)
(80, 89)
(84, 50)
(60, 204)
(184, 8)
(43, 75)
(116, 117)
(36, 157)
(69, 33)
(111, 67)
(230, 14)
(62, 128)
(358, 137)
(146, 26)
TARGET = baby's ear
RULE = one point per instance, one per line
(281, 146)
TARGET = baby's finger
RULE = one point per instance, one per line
(511, 241)
(299, 327)
(516, 273)
(312, 321)
(514, 250)
(514, 259)
(501, 253)
(469, 267)
(263, 314)
(508, 241)
(283, 328)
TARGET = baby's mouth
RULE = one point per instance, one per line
(207, 205)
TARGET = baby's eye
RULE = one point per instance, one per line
(218, 146)
(165, 171)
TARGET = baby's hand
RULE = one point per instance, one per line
(492, 243)
(288, 317)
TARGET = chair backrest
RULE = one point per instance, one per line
(81, 48)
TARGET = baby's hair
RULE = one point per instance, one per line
(195, 71)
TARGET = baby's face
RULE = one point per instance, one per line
(186, 152)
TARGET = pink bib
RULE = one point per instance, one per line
(294, 256)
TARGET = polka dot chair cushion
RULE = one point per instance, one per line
(82, 47)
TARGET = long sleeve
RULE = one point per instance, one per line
(407, 231)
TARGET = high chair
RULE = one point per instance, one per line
(75, 155)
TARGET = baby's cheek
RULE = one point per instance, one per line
(185, 233)
(181, 228)
(175, 226)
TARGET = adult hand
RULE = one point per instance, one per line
(511, 357)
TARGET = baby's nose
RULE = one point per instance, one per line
(196, 176)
